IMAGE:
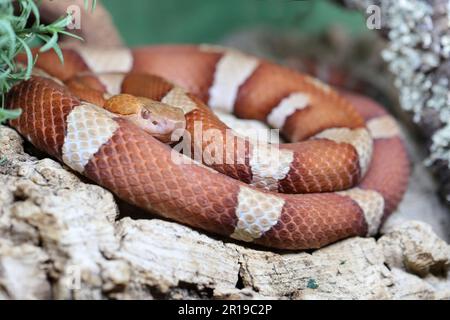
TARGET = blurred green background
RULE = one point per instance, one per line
(200, 21)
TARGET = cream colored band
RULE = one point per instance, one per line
(232, 70)
(112, 82)
(287, 106)
(177, 97)
(88, 128)
(101, 60)
(383, 127)
(269, 165)
(371, 204)
(257, 213)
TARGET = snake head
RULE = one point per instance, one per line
(160, 120)
(164, 122)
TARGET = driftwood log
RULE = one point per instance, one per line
(64, 238)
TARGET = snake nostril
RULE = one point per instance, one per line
(155, 122)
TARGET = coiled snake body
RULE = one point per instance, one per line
(344, 174)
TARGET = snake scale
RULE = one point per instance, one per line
(343, 173)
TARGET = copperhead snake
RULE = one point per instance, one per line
(345, 171)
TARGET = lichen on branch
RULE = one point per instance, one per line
(418, 56)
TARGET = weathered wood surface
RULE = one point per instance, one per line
(61, 238)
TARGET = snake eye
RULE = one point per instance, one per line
(146, 114)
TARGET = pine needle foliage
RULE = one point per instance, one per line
(17, 35)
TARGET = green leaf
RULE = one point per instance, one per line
(9, 114)
(67, 33)
(29, 58)
(17, 36)
(7, 29)
(35, 11)
(6, 61)
(59, 53)
(4, 74)
(61, 23)
(56, 48)
(50, 43)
